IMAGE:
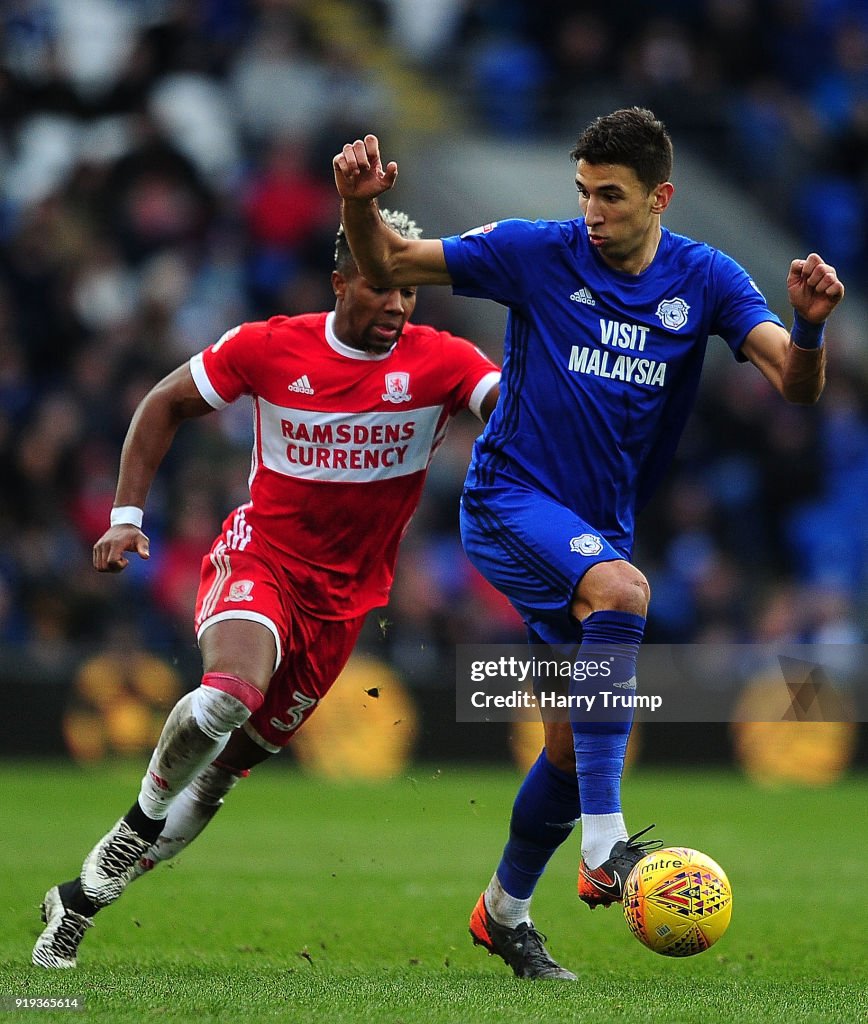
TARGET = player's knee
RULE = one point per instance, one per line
(631, 594)
(634, 593)
(223, 702)
(612, 586)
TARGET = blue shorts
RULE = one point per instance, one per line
(534, 551)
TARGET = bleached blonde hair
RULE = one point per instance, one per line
(397, 221)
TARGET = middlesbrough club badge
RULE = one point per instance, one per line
(397, 388)
(240, 590)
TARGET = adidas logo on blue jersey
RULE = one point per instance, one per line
(583, 295)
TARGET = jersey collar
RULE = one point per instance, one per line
(347, 350)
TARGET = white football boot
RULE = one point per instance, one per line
(111, 864)
(57, 946)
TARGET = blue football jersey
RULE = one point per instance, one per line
(600, 368)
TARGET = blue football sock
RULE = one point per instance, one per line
(543, 816)
(610, 639)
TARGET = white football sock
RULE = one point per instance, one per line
(190, 813)
(182, 751)
(505, 909)
(195, 732)
(600, 832)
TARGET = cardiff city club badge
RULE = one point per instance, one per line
(588, 544)
(397, 388)
(673, 313)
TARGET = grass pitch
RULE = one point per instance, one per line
(312, 901)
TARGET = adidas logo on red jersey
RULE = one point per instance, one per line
(302, 385)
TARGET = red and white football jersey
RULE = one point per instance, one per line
(342, 443)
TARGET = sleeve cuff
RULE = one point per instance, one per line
(206, 388)
(480, 391)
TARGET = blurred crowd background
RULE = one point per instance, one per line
(165, 173)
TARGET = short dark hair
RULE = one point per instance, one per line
(632, 137)
(397, 221)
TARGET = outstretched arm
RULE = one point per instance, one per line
(151, 431)
(795, 363)
(385, 258)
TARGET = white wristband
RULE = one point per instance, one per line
(126, 514)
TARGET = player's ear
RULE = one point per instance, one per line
(339, 284)
(661, 196)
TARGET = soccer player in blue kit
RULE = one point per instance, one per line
(609, 318)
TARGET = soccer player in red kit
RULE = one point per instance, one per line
(349, 407)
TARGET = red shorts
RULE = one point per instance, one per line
(249, 582)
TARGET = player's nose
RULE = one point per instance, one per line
(593, 212)
(394, 302)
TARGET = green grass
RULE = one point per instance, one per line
(312, 901)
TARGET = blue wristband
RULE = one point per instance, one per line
(806, 335)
